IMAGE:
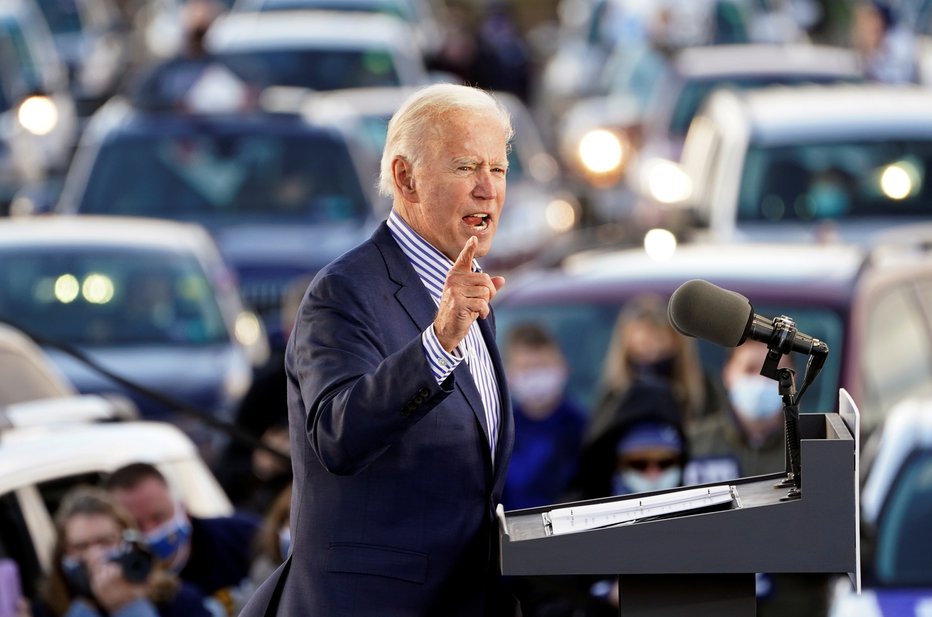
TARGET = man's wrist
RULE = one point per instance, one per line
(441, 362)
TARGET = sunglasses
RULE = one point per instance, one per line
(643, 464)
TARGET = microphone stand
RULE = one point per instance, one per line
(780, 344)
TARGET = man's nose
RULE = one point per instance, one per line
(486, 186)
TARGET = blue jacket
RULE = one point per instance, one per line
(394, 485)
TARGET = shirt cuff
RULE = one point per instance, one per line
(441, 363)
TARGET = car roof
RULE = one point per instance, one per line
(115, 231)
(37, 453)
(817, 272)
(844, 110)
(284, 29)
(707, 61)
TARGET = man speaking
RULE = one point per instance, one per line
(401, 429)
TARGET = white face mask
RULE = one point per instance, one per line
(631, 481)
(538, 387)
(755, 397)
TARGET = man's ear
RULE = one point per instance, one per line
(403, 176)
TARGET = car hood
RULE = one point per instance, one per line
(193, 375)
(304, 247)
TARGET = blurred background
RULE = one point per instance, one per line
(174, 172)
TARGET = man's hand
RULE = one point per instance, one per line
(466, 297)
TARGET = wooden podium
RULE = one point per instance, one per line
(702, 562)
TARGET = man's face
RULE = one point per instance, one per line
(150, 503)
(459, 185)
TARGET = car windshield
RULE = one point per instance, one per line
(316, 69)
(836, 180)
(221, 179)
(905, 536)
(584, 332)
(404, 10)
(695, 93)
(62, 16)
(109, 297)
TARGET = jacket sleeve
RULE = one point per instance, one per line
(359, 363)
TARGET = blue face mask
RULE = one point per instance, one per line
(631, 481)
(167, 540)
(755, 397)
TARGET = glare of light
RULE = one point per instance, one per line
(601, 151)
(67, 288)
(895, 182)
(247, 329)
(97, 288)
(560, 215)
(38, 115)
(667, 183)
(659, 244)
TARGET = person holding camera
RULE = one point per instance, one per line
(101, 567)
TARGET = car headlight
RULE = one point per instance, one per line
(560, 215)
(602, 152)
(250, 333)
(666, 182)
(660, 244)
(38, 114)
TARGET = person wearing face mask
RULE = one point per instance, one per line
(746, 437)
(548, 423)
(101, 569)
(212, 554)
(644, 346)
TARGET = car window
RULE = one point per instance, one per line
(216, 179)
(19, 71)
(62, 16)
(316, 69)
(584, 332)
(52, 491)
(897, 361)
(103, 297)
(904, 536)
(836, 180)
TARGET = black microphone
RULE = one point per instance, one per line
(703, 310)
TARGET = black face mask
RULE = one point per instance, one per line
(659, 368)
(77, 578)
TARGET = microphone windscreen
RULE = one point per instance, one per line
(703, 310)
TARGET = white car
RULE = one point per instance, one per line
(801, 164)
(40, 463)
(896, 506)
(319, 50)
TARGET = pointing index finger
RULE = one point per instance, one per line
(464, 261)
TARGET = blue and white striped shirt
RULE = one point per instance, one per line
(432, 267)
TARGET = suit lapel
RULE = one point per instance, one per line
(416, 301)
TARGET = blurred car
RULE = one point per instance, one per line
(538, 207)
(38, 121)
(419, 14)
(896, 506)
(838, 162)
(150, 302)
(318, 50)
(647, 127)
(91, 43)
(869, 306)
(280, 195)
(40, 463)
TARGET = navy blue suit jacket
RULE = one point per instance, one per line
(395, 488)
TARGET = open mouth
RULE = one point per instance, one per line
(478, 221)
